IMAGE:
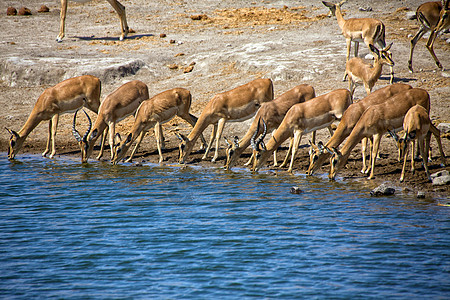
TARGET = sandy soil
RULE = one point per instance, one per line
(231, 43)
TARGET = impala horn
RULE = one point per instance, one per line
(75, 132)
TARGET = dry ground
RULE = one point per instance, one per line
(231, 43)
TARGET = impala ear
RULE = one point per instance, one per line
(181, 137)
(336, 152)
(394, 135)
(227, 141)
(12, 132)
(388, 47)
(93, 134)
(374, 50)
(129, 138)
(314, 146)
(117, 139)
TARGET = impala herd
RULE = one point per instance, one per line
(292, 115)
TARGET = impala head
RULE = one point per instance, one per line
(120, 147)
(82, 141)
(260, 153)
(184, 142)
(384, 56)
(15, 143)
(336, 162)
(399, 142)
(230, 151)
(333, 6)
(314, 155)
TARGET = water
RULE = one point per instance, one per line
(100, 231)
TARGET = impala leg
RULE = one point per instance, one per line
(285, 161)
(414, 40)
(211, 141)
(120, 9)
(375, 147)
(430, 44)
(159, 132)
(55, 121)
(275, 162)
(112, 133)
(102, 143)
(349, 46)
(62, 21)
(356, 45)
(405, 158)
(413, 168)
(220, 126)
(424, 155)
(364, 142)
(49, 137)
(297, 138)
(250, 160)
(437, 135)
(136, 147)
(159, 141)
(191, 119)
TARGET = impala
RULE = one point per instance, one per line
(152, 113)
(376, 121)
(360, 71)
(348, 121)
(236, 105)
(117, 106)
(67, 96)
(356, 30)
(417, 125)
(302, 118)
(273, 113)
(434, 17)
(119, 8)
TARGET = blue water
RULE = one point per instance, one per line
(100, 231)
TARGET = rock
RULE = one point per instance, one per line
(421, 195)
(382, 190)
(411, 15)
(440, 174)
(295, 190)
(443, 180)
(11, 11)
(440, 178)
(43, 9)
(188, 69)
(173, 66)
(199, 17)
(20, 71)
(162, 35)
(367, 8)
(444, 127)
(23, 11)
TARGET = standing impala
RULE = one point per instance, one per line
(376, 121)
(152, 113)
(360, 71)
(348, 121)
(356, 30)
(236, 105)
(434, 17)
(119, 8)
(302, 118)
(272, 113)
(67, 96)
(417, 125)
(117, 106)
